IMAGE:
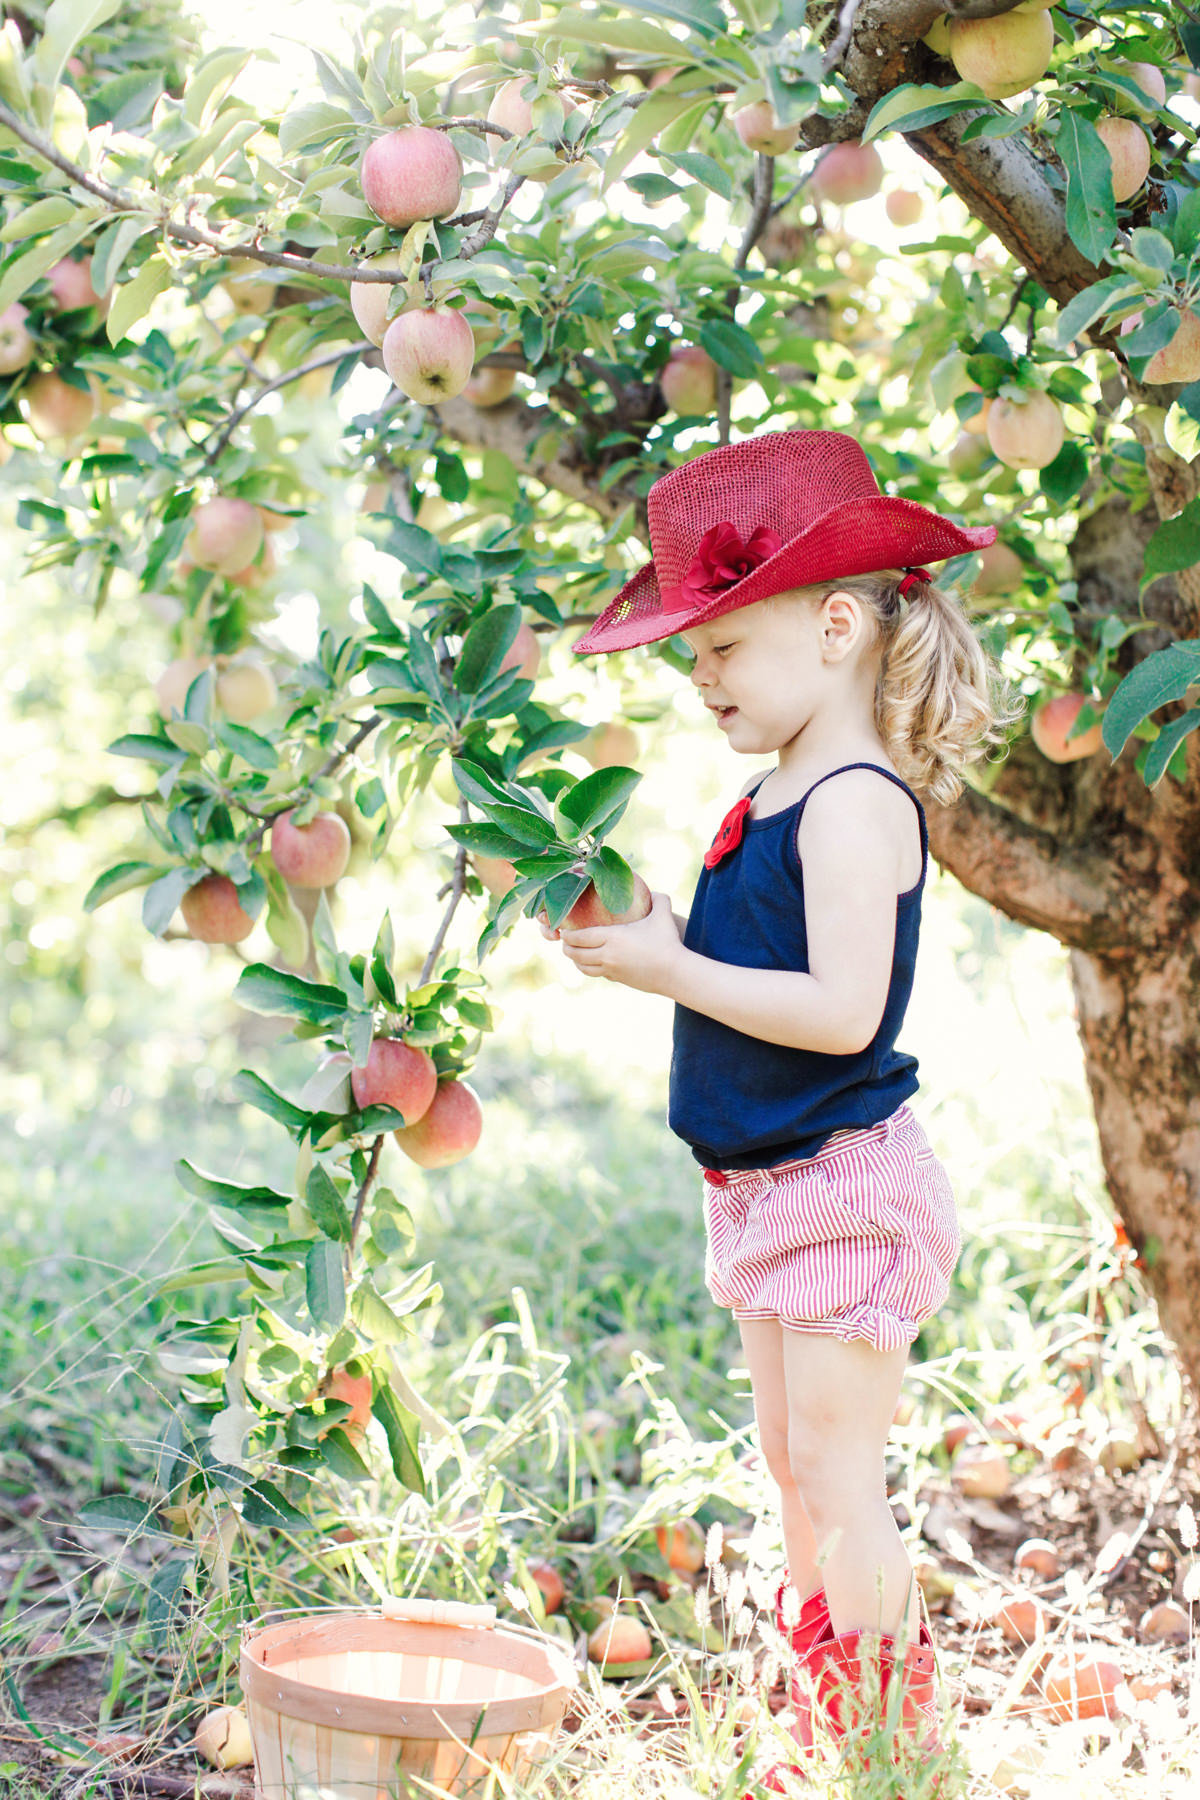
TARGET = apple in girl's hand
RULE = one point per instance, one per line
(589, 909)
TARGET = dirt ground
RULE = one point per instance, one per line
(1118, 1536)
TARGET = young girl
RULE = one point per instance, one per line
(822, 647)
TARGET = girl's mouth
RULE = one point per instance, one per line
(724, 714)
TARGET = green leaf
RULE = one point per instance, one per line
(485, 646)
(1165, 745)
(326, 1205)
(1175, 545)
(259, 752)
(233, 1194)
(325, 1284)
(560, 895)
(251, 1088)
(595, 801)
(914, 106)
(164, 895)
(486, 840)
(43, 215)
(211, 77)
(1162, 676)
(732, 346)
(65, 24)
(1184, 228)
(1091, 209)
(124, 103)
(266, 990)
(415, 547)
(651, 117)
(119, 880)
(336, 1449)
(263, 1506)
(112, 246)
(523, 824)
(475, 783)
(313, 124)
(1062, 479)
(1152, 248)
(375, 1317)
(133, 300)
(701, 168)
(120, 1513)
(613, 878)
(403, 1434)
(1084, 308)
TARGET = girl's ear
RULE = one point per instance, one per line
(841, 621)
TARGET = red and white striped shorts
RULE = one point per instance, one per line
(858, 1241)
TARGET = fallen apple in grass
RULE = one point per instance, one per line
(1082, 1687)
(1022, 1619)
(957, 1429)
(619, 1640)
(313, 855)
(223, 1738)
(213, 913)
(1037, 1556)
(429, 353)
(549, 1583)
(682, 1545)
(410, 174)
(447, 1130)
(354, 1387)
(1053, 720)
(981, 1472)
(1166, 1623)
(395, 1074)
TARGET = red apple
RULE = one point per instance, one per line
(71, 286)
(1022, 1618)
(1004, 55)
(550, 1583)
(759, 128)
(1129, 152)
(847, 172)
(274, 521)
(981, 1472)
(1150, 79)
(904, 206)
(260, 566)
(398, 1075)
(490, 387)
(510, 109)
(1166, 1623)
(447, 1131)
(524, 654)
(245, 689)
(172, 685)
(1053, 720)
(957, 1429)
(682, 1545)
(213, 913)
(610, 746)
(1180, 359)
(16, 345)
(1026, 434)
(1082, 1687)
(496, 873)
(589, 910)
(429, 353)
(226, 534)
(620, 1639)
(57, 410)
(313, 855)
(355, 1389)
(414, 173)
(1037, 1556)
(689, 380)
(369, 300)
(1001, 570)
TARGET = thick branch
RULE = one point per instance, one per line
(1031, 875)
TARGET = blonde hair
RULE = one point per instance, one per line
(941, 700)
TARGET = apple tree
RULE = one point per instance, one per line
(505, 269)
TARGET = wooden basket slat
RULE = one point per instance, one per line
(333, 1701)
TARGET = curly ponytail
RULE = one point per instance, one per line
(941, 700)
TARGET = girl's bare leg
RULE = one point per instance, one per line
(762, 1341)
(840, 1402)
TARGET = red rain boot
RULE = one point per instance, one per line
(812, 1624)
(854, 1675)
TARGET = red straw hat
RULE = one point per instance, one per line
(781, 510)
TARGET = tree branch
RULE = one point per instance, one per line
(1078, 895)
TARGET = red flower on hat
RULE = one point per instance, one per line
(722, 560)
(729, 834)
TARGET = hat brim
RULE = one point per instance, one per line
(877, 531)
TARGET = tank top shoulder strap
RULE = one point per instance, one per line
(887, 774)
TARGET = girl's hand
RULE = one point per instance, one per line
(644, 954)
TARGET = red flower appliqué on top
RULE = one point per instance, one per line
(729, 835)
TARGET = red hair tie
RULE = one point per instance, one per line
(912, 576)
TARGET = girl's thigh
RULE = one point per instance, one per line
(762, 1343)
(840, 1397)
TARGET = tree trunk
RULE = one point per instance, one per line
(1141, 1041)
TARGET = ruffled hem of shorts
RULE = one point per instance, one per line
(870, 1324)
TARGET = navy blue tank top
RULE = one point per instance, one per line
(736, 1100)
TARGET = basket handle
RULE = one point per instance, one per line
(437, 1612)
